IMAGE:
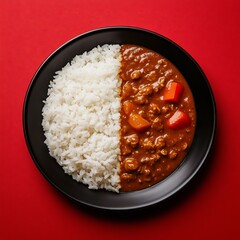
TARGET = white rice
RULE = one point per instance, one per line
(81, 118)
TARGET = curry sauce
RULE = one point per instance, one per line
(157, 118)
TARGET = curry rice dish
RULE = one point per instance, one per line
(119, 117)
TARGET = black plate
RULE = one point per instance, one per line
(201, 146)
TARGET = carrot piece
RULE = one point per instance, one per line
(173, 92)
(128, 107)
(138, 122)
(178, 120)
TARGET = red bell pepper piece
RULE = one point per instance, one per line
(173, 92)
(178, 120)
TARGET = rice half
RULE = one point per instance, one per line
(81, 118)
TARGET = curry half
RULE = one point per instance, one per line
(158, 118)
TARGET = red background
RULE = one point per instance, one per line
(30, 208)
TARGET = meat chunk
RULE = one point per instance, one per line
(130, 164)
(146, 90)
(132, 140)
(159, 84)
(136, 74)
(157, 124)
(160, 142)
(154, 109)
(148, 143)
(126, 90)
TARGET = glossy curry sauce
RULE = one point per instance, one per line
(157, 118)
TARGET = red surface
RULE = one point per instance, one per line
(31, 29)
